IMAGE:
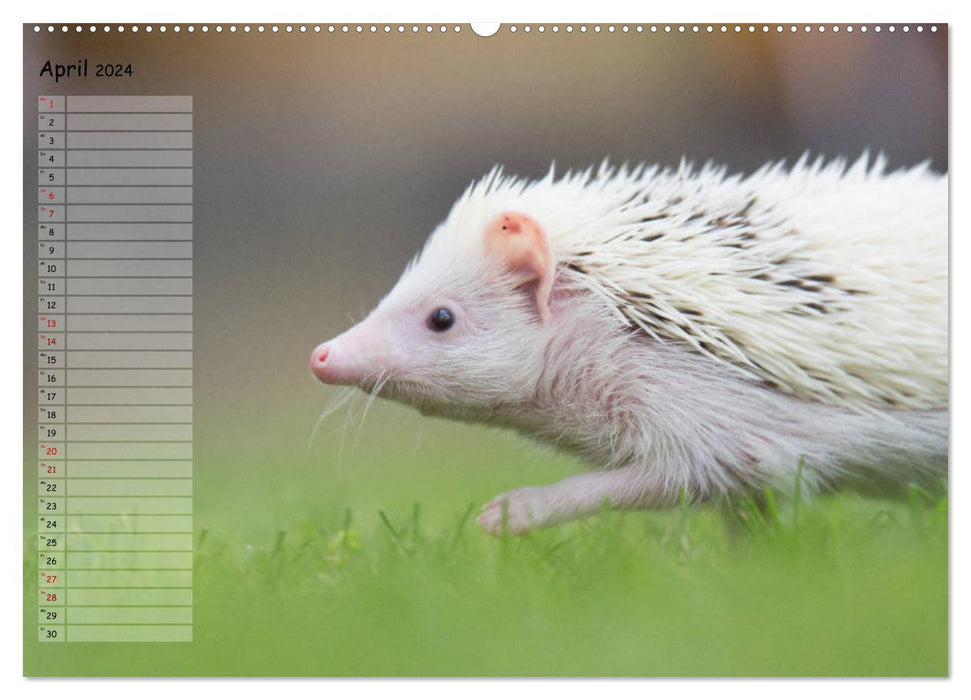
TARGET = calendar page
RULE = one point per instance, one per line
(514, 350)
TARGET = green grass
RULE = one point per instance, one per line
(849, 586)
(381, 570)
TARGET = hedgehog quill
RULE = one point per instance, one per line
(687, 332)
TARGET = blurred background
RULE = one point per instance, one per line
(322, 161)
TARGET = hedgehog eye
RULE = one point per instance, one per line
(441, 319)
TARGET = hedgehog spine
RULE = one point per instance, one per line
(772, 273)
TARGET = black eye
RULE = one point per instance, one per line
(441, 319)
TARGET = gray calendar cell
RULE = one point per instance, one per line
(51, 359)
(50, 341)
(51, 304)
(128, 103)
(50, 103)
(129, 359)
(50, 176)
(132, 560)
(131, 487)
(129, 305)
(54, 431)
(50, 267)
(129, 377)
(130, 213)
(131, 469)
(95, 396)
(129, 633)
(49, 506)
(122, 139)
(51, 139)
(49, 213)
(50, 322)
(120, 618)
(129, 268)
(129, 285)
(51, 450)
(127, 615)
(134, 579)
(129, 450)
(132, 505)
(50, 122)
(50, 544)
(126, 341)
(128, 414)
(128, 176)
(123, 122)
(119, 159)
(50, 397)
(50, 159)
(127, 195)
(107, 250)
(129, 322)
(130, 432)
(130, 523)
(109, 542)
(50, 232)
(48, 377)
(50, 249)
(42, 560)
(50, 195)
(129, 231)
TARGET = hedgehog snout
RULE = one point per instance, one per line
(338, 362)
(354, 356)
(318, 363)
(318, 360)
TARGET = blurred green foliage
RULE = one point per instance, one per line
(777, 585)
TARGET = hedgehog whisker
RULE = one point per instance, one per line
(337, 401)
(382, 379)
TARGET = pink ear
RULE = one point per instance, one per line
(524, 249)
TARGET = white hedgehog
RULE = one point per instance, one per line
(688, 332)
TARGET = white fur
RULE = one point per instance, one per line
(667, 421)
(707, 332)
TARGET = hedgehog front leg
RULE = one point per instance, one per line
(521, 510)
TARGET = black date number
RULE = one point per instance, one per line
(113, 70)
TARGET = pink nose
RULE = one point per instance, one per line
(318, 363)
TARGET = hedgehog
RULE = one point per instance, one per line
(689, 333)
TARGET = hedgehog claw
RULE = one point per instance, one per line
(509, 514)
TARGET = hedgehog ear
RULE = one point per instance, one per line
(522, 246)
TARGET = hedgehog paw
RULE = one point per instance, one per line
(512, 513)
